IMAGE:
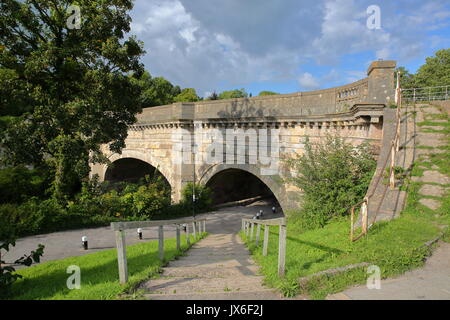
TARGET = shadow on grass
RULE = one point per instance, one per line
(51, 278)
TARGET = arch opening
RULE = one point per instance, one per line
(132, 170)
(236, 184)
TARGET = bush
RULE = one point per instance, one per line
(203, 198)
(17, 184)
(94, 206)
(334, 175)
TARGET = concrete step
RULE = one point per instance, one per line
(257, 295)
(205, 272)
(237, 261)
(173, 285)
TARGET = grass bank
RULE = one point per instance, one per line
(99, 273)
(396, 246)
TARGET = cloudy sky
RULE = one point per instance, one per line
(283, 45)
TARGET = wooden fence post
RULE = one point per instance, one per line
(392, 166)
(352, 218)
(247, 229)
(258, 232)
(188, 236)
(364, 216)
(204, 225)
(178, 237)
(282, 250)
(122, 256)
(161, 242)
(194, 229)
(266, 239)
(251, 231)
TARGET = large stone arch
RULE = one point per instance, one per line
(273, 182)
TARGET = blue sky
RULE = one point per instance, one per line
(283, 46)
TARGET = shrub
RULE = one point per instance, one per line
(17, 184)
(334, 175)
(203, 198)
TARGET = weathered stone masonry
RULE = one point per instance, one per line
(354, 111)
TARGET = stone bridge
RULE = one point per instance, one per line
(237, 146)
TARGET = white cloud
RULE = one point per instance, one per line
(214, 45)
(308, 82)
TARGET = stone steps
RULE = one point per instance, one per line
(183, 285)
(266, 294)
(208, 272)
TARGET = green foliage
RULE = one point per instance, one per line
(267, 93)
(7, 273)
(17, 184)
(203, 197)
(156, 91)
(98, 204)
(187, 95)
(333, 175)
(213, 96)
(75, 84)
(233, 94)
(406, 78)
(435, 71)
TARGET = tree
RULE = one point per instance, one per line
(406, 78)
(213, 96)
(267, 93)
(435, 71)
(187, 95)
(75, 82)
(233, 94)
(333, 175)
(7, 273)
(156, 91)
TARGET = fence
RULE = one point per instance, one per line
(248, 226)
(120, 227)
(395, 147)
(426, 94)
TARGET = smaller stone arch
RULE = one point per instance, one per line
(273, 183)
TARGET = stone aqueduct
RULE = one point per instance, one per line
(355, 111)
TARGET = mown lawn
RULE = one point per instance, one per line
(99, 273)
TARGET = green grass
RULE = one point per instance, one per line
(99, 273)
(396, 246)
